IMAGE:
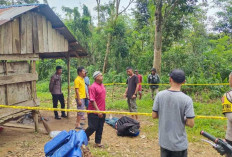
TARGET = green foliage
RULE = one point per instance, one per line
(205, 57)
(225, 17)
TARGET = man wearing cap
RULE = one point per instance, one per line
(153, 78)
(174, 109)
(227, 110)
(97, 95)
(80, 95)
(55, 89)
(140, 78)
(131, 91)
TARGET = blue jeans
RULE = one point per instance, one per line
(86, 102)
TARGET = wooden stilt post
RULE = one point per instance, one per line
(68, 99)
(33, 90)
(6, 86)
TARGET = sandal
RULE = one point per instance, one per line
(99, 145)
(80, 127)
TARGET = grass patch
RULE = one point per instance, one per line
(115, 101)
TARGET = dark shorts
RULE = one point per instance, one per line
(167, 153)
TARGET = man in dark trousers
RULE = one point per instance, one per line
(153, 78)
(131, 91)
(55, 89)
(97, 96)
(174, 109)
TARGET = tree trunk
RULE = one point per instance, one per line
(158, 37)
(98, 13)
(107, 53)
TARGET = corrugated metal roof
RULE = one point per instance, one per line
(8, 13)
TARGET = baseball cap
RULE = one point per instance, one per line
(96, 73)
(177, 75)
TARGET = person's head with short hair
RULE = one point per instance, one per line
(177, 77)
(129, 71)
(98, 77)
(153, 71)
(86, 72)
(58, 70)
(136, 72)
(81, 71)
(230, 79)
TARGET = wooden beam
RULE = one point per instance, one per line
(22, 57)
(5, 112)
(1, 39)
(40, 32)
(33, 83)
(13, 116)
(36, 120)
(29, 42)
(17, 125)
(18, 78)
(35, 33)
(6, 87)
(23, 33)
(45, 34)
(68, 99)
(34, 96)
(16, 36)
(50, 40)
(58, 28)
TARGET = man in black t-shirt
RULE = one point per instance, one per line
(131, 90)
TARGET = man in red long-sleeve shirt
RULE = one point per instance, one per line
(97, 95)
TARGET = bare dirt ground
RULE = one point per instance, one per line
(17, 142)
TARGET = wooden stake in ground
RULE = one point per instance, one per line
(45, 124)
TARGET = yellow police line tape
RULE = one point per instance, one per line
(164, 84)
(93, 111)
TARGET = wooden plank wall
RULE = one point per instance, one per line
(31, 33)
(17, 81)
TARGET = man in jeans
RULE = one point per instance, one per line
(87, 83)
(80, 95)
(97, 96)
(131, 91)
(227, 103)
(174, 109)
(55, 89)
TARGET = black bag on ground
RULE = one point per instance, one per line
(127, 127)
